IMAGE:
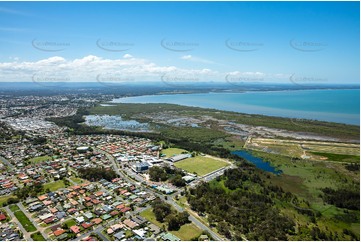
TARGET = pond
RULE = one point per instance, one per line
(258, 162)
(116, 122)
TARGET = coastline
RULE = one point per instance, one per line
(230, 91)
(348, 118)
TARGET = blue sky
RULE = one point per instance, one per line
(251, 41)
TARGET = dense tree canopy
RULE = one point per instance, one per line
(96, 174)
(161, 209)
(174, 175)
(157, 174)
(163, 212)
(342, 198)
(27, 191)
(242, 207)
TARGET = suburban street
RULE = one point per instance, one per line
(25, 233)
(170, 200)
(6, 162)
(40, 229)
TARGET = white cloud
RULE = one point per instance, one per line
(92, 68)
(89, 67)
(247, 74)
(127, 56)
(186, 57)
(197, 59)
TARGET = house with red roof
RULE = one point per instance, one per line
(121, 206)
(59, 232)
(96, 220)
(2, 217)
(49, 220)
(75, 229)
(42, 197)
(126, 209)
(86, 225)
(114, 212)
(72, 210)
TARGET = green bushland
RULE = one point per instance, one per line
(309, 180)
(342, 198)
(248, 202)
(245, 207)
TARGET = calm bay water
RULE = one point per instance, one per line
(341, 106)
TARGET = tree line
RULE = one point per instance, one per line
(174, 175)
(244, 206)
(342, 198)
(164, 213)
(96, 174)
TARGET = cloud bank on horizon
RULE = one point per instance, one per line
(126, 69)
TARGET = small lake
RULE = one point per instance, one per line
(258, 162)
(116, 122)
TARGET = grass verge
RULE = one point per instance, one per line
(53, 186)
(37, 237)
(25, 222)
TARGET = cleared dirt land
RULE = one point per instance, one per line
(316, 150)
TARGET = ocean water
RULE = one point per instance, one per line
(340, 106)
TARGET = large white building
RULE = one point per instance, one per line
(179, 157)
